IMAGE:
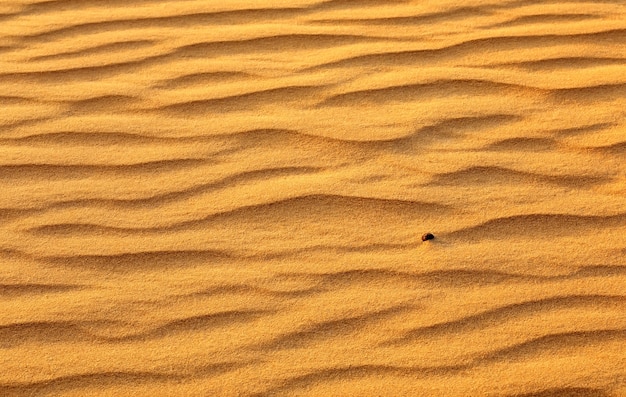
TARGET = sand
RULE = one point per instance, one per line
(204, 198)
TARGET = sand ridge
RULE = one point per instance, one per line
(227, 198)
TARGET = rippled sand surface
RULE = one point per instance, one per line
(204, 198)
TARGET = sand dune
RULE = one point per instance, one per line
(227, 198)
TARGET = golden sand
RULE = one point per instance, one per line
(206, 198)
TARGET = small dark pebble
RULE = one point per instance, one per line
(427, 236)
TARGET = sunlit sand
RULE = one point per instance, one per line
(204, 198)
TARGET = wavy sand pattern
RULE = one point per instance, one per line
(226, 198)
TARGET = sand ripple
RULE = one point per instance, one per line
(227, 199)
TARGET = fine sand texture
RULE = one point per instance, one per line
(227, 198)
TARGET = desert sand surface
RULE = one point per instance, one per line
(206, 198)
